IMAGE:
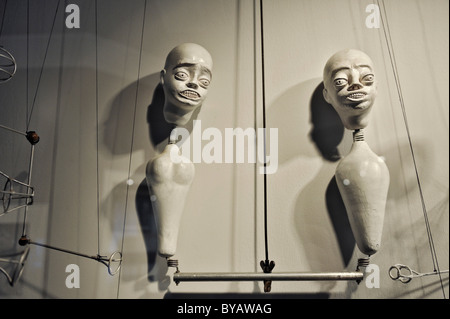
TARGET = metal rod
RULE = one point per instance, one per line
(243, 276)
(12, 130)
(101, 259)
(30, 171)
(64, 250)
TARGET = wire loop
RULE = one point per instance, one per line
(395, 272)
(109, 261)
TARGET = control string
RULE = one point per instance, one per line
(133, 130)
(266, 264)
(390, 47)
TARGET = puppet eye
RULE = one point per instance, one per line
(181, 76)
(369, 78)
(340, 82)
(204, 82)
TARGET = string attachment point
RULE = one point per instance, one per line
(358, 135)
(114, 259)
(173, 137)
(32, 137)
(24, 240)
(267, 268)
(362, 263)
(174, 263)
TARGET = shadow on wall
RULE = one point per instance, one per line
(159, 129)
(118, 127)
(118, 133)
(327, 129)
(118, 130)
(327, 133)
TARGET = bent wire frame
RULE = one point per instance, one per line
(9, 193)
(26, 193)
(8, 66)
(13, 189)
(18, 265)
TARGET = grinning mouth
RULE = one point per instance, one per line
(189, 94)
(356, 96)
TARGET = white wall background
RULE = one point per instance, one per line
(90, 208)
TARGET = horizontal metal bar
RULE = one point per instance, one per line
(243, 276)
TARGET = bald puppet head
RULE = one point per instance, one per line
(185, 79)
(350, 86)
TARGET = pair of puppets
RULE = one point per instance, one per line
(350, 86)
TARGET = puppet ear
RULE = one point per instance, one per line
(161, 76)
(325, 96)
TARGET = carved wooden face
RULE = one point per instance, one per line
(185, 79)
(350, 87)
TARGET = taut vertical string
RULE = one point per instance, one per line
(133, 130)
(28, 62)
(41, 70)
(96, 119)
(264, 127)
(388, 38)
(266, 265)
(3, 17)
(30, 113)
